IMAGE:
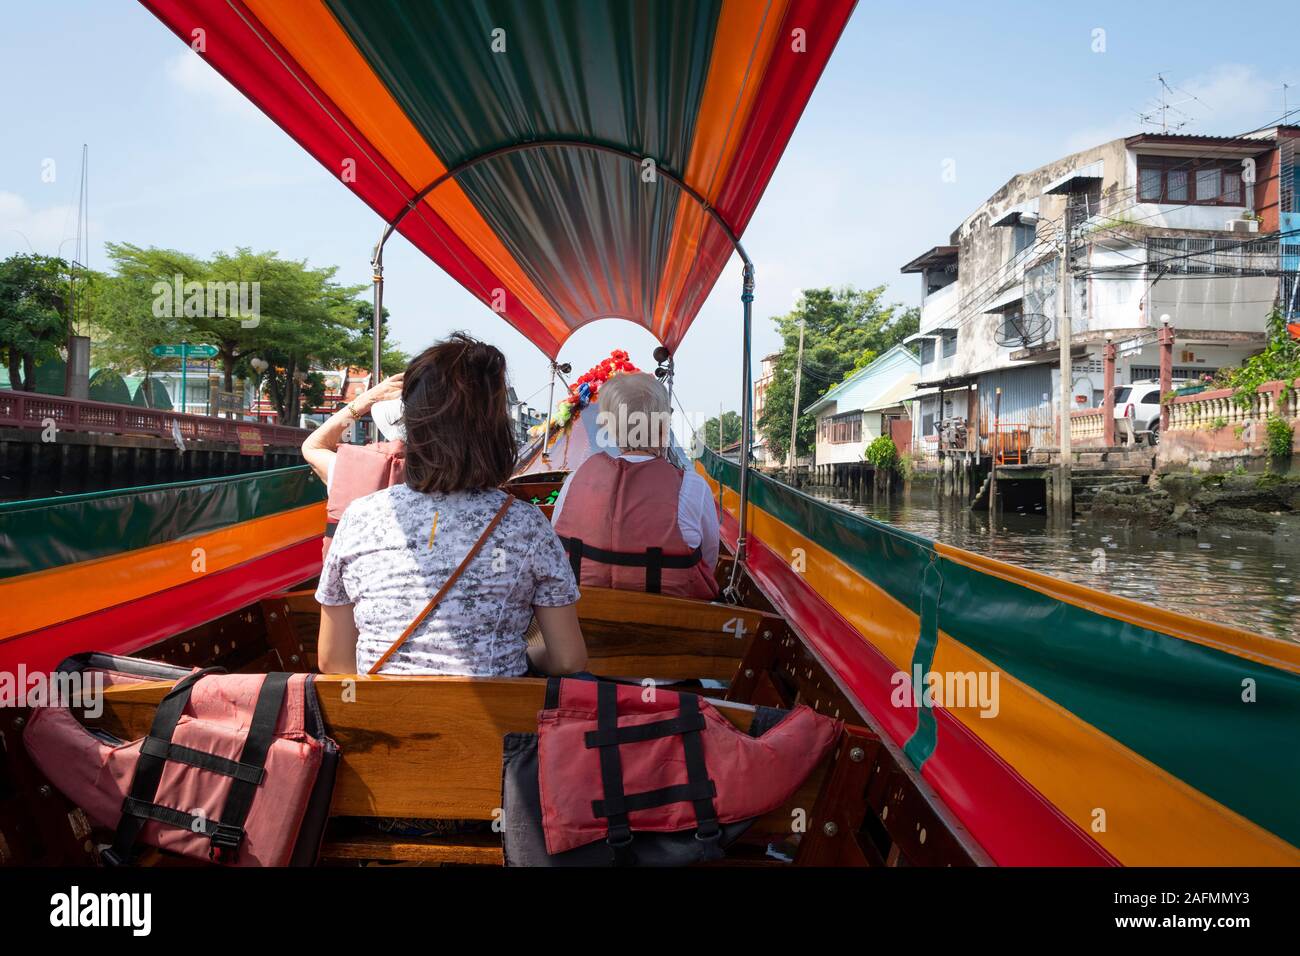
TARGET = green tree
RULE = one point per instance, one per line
(33, 314)
(1278, 362)
(125, 330)
(730, 430)
(245, 304)
(363, 354)
(844, 330)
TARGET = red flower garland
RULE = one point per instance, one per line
(617, 364)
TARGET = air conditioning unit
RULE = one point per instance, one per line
(1242, 225)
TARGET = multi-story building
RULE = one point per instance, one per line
(523, 415)
(762, 456)
(866, 405)
(1198, 231)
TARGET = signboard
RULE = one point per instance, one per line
(227, 401)
(250, 440)
(185, 350)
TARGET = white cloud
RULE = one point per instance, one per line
(1235, 98)
(25, 229)
(1224, 101)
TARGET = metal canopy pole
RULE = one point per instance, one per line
(550, 410)
(377, 362)
(747, 294)
(746, 413)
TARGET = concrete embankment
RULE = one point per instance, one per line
(1186, 504)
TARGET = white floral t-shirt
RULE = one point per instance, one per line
(381, 562)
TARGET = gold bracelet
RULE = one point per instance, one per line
(352, 410)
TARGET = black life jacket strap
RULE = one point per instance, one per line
(619, 831)
(149, 767)
(697, 774)
(261, 732)
(247, 773)
(330, 528)
(698, 790)
(652, 559)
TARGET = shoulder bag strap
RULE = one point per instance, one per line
(442, 592)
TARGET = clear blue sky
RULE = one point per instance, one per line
(178, 159)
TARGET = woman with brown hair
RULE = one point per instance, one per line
(441, 574)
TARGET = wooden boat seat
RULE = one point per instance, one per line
(431, 747)
(628, 633)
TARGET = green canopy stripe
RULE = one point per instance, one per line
(53, 532)
(474, 77)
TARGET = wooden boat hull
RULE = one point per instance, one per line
(1121, 732)
(836, 612)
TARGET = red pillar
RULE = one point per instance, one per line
(1108, 392)
(1166, 373)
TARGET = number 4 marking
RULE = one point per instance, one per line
(735, 626)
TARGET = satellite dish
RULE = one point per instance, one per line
(1022, 331)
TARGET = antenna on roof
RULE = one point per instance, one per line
(1158, 113)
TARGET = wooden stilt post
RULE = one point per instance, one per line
(993, 460)
(1166, 371)
(1108, 396)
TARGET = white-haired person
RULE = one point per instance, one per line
(630, 518)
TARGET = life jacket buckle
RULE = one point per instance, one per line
(712, 835)
(224, 837)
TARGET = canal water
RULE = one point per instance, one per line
(1249, 581)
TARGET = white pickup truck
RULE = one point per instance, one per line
(1139, 403)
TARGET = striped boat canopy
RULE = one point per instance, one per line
(568, 129)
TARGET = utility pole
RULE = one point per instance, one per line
(794, 411)
(1064, 495)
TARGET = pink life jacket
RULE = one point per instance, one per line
(360, 470)
(236, 768)
(619, 525)
(611, 762)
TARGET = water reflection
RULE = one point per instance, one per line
(1246, 581)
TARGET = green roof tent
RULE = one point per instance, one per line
(106, 385)
(152, 394)
(50, 376)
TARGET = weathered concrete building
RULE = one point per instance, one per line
(763, 456)
(1189, 228)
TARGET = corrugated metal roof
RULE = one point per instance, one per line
(896, 395)
(931, 257)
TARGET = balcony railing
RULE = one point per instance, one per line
(35, 410)
(1087, 425)
(1219, 408)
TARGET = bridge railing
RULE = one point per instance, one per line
(35, 410)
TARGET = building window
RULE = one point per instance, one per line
(1151, 184)
(841, 429)
(1209, 185)
(1176, 185)
(950, 345)
(1198, 182)
(927, 351)
(1022, 237)
(1232, 188)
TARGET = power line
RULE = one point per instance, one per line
(1191, 255)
